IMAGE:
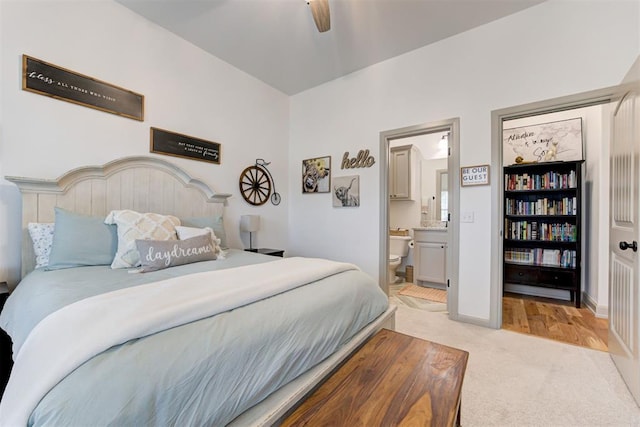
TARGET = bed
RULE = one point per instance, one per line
(236, 340)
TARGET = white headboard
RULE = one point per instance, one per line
(143, 184)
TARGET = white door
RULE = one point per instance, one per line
(624, 267)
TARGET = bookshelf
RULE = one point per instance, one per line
(542, 225)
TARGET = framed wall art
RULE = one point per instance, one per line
(346, 191)
(175, 144)
(316, 175)
(474, 175)
(545, 142)
(56, 82)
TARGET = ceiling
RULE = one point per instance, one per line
(277, 41)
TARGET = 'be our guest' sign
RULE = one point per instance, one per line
(474, 175)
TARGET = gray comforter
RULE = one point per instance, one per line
(204, 373)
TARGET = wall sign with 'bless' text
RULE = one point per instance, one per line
(59, 83)
(474, 175)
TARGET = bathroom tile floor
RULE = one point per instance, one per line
(408, 301)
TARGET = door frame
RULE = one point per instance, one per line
(498, 117)
(453, 163)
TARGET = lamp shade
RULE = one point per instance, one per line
(250, 223)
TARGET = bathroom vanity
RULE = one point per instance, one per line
(430, 256)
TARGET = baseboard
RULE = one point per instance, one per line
(600, 311)
(473, 320)
(538, 292)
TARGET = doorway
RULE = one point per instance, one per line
(594, 277)
(427, 210)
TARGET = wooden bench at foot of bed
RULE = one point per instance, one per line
(394, 379)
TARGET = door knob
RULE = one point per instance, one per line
(634, 246)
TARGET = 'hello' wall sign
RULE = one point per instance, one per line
(362, 160)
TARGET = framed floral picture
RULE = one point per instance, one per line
(316, 175)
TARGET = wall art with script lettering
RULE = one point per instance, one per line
(362, 160)
(175, 144)
(545, 142)
(51, 80)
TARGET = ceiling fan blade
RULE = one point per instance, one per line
(320, 12)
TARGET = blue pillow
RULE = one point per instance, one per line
(81, 240)
(214, 222)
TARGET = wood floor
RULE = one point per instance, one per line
(555, 320)
(542, 317)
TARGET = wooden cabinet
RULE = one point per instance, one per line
(542, 226)
(430, 256)
(400, 173)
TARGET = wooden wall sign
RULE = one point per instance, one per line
(362, 160)
(59, 83)
(474, 175)
(175, 144)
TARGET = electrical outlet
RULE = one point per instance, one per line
(466, 216)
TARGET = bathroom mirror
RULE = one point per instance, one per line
(442, 195)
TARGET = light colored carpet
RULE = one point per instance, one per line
(519, 380)
(431, 294)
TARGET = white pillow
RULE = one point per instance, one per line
(134, 225)
(42, 236)
(189, 232)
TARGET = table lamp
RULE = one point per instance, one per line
(250, 224)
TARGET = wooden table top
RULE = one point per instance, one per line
(393, 380)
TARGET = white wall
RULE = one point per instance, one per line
(186, 91)
(556, 48)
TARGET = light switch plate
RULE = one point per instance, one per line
(466, 216)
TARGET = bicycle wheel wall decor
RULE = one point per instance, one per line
(255, 185)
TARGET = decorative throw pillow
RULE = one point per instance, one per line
(159, 254)
(216, 223)
(80, 240)
(42, 236)
(134, 225)
(188, 232)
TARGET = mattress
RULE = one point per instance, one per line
(206, 372)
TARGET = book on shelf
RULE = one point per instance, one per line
(541, 257)
(539, 230)
(541, 206)
(551, 257)
(546, 181)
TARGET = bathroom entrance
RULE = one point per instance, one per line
(419, 214)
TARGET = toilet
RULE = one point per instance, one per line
(398, 249)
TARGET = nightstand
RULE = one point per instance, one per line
(267, 251)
